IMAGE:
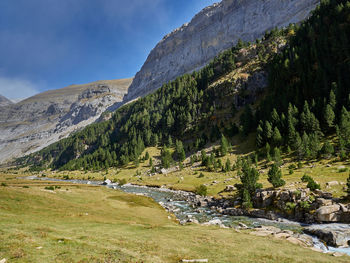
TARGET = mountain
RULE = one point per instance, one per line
(214, 29)
(291, 87)
(40, 120)
(4, 101)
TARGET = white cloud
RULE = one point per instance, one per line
(17, 88)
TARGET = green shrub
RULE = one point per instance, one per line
(66, 177)
(25, 186)
(201, 175)
(311, 184)
(49, 188)
(201, 190)
(3, 184)
(292, 166)
(290, 206)
(122, 181)
(304, 205)
(342, 170)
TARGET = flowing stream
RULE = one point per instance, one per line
(183, 210)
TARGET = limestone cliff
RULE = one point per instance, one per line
(38, 121)
(211, 31)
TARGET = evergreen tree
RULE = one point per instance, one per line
(223, 145)
(268, 130)
(329, 117)
(259, 137)
(228, 165)
(276, 137)
(275, 176)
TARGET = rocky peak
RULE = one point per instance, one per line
(5, 101)
(211, 31)
(38, 121)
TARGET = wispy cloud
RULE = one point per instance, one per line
(16, 88)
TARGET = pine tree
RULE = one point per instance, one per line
(329, 117)
(268, 130)
(223, 146)
(276, 137)
(150, 162)
(259, 137)
(228, 165)
(275, 176)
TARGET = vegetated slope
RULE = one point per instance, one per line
(4, 101)
(213, 30)
(40, 120)
(198, 107)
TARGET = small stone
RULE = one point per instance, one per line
(338, 254)
(295, 241)
(3, 260)
(282, 235)
(39, 247)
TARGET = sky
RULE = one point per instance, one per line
(50, 44)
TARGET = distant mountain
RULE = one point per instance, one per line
(38, 121)
(4, 101)
(214, 29)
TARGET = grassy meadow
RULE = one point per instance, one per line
(82, 223)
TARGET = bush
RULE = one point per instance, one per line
(304, 205)
(3, 184)
(290, 206)
(311, 184)
(49, 188)
(201, 190)
(122, 181)
(201, 175)
(342, 170)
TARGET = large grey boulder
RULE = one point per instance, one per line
(333, 234)
(214, 29)
(328, 213)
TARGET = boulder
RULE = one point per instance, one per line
(331, 183)
(328, 213)
(324, 202)
(230, 188)
(333, 234)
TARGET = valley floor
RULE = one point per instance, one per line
(81, 223)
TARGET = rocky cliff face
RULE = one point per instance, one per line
(4, 101)
(211, 31)
(38, 121)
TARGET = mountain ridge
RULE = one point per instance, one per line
(44, 118)
(212, 30)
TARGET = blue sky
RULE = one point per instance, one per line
(50, 44)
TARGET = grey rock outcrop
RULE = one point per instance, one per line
(5, 101)
(333, 234)
(38, 121)
(214, 29)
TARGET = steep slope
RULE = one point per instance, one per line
(214, 29)
(38, 121)
(4, 101)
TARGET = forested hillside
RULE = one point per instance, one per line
(306, 101)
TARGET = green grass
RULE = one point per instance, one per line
(81, 223)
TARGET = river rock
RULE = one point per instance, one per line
(324, 202)
(333, 234)
(328, 213)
